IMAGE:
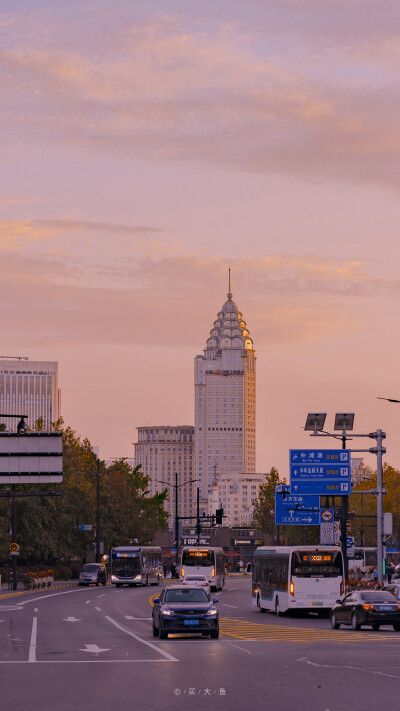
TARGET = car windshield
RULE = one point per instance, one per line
(377, 596)
(188, 595)
(90, 568)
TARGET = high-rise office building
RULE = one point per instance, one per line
(163, 451)
(29, 387)
(225, 401)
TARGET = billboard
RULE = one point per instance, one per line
(30, 458)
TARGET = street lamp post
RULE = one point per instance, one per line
(98, 512)
(379, 492)
(176, 486)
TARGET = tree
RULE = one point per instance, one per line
(264, 506)
(48, 527)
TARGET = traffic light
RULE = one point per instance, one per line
(218, 516)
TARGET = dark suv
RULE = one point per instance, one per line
(93, 574)
(183, 609)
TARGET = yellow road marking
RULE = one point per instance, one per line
(251, 631)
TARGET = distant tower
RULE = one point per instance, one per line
(29, 387)
(225, 400)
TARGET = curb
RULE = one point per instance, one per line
(38, 590)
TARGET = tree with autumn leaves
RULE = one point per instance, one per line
(48, 527)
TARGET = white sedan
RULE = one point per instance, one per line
(197, 580)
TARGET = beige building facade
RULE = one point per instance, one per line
(236, 495)
(161, 451)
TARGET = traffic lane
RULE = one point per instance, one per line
(15, 632)
(74, 626)
(237, 603)
(214, 677)
(227, 672)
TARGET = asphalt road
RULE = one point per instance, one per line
(92, 648)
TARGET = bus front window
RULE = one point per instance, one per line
(126, 567)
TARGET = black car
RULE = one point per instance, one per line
(183, 609)
(366, 607)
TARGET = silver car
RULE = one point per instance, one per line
(93, 574)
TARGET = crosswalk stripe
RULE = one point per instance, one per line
(254, 632)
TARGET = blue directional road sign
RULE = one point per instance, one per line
(320, 471)
(296, 510)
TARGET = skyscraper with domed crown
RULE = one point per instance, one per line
(225, 401)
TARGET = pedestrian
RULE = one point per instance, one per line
(173, 570)
(375, 575)
(389, 572)
(165, 570)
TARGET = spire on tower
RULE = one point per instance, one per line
(229, 294)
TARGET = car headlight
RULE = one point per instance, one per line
(167, 612)
(213, 611)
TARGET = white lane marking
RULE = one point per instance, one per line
(90, 661)
(46, 597)
(350, 667)
(36, 609)
(242, 648)
(226, 605)
(149, 644)
(129, 617)
(88, 602)
(9, 608)
(98, 609)
(32, 646)
(71, 619)
(102, 595)
(93, 648)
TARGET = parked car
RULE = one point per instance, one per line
(93, 574)
(366, 607)
(394, 589)
(183, 609)
(197, 580)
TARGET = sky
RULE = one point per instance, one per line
(148, 145)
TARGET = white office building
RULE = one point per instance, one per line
(225, 401)
(236, 495)
(163, 451)
(29, 387)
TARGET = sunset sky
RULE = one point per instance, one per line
(146, 145)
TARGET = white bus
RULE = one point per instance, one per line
(204, 560)
(363, 560)
(306, 578)
(136, 565)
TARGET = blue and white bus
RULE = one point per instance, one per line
(308, 578)
(136, 565)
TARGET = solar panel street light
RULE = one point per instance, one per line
(315, 421)
(344, 421)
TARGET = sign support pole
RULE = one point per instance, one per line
(14, 534)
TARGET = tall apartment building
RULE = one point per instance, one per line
(236, 495)
(163, 451)
(29, 387)
(225, 401)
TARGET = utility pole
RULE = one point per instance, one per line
(14, 534)
(176, 520)
(198, 524)
(98, 512)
